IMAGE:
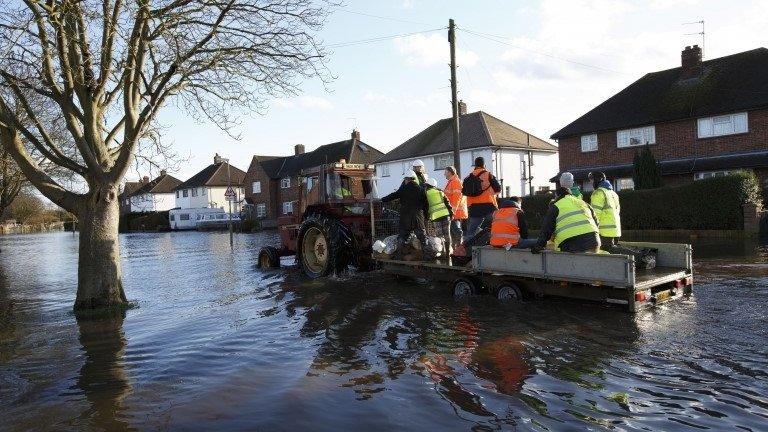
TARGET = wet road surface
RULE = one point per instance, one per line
(216, 344)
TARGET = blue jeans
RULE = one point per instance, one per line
(474, 224)
(456, 232)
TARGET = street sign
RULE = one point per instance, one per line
(230, 194)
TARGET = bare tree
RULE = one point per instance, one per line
(11, 180)
(102, 69)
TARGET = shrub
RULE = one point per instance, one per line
(711, 204)
(646, 172)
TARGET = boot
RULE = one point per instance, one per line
(398, 255)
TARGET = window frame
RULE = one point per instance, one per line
(289, 204)
(596, 143)
(617, 184)
(651, 128)
(384, 169)
(256, 187)
(185, 193)
(732, 120)
(285, 183)
(194, 192)
(704, 175)
(259, 212)
(442, 157)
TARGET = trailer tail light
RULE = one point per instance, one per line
(641, 296)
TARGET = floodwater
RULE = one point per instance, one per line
(216, 344)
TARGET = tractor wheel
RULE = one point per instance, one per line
(269, 258)
(465, 288)
(508, 292)
(324, 246)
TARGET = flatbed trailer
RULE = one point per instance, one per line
(606, 278)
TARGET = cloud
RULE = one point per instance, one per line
(379, 97)
(310, 102)
(426, 51)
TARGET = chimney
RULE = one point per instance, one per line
(298, 149)
(355, 134)
(690, 60)
(145, 179)
(163, 172)
(217, 159)
(462, 107)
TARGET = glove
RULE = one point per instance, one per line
(536, 249)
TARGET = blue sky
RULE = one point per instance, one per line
(557, 60)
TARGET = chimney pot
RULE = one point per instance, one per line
(462, 107)
(217, 159)
(690, 60)
(356, 134)
(163, 172)
(145, 179)
(298, 149)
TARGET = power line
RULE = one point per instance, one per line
(381, 17)
(495, 38)
(379, 38)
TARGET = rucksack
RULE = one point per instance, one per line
(473, 185)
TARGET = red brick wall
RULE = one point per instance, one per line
(257, 173)
(674, 140)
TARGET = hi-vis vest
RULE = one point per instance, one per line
(489, 195)
(605, 202)
(437, 208)
(505, 229)
(458, 201)
(573, 218)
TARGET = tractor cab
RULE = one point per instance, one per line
(331, 223)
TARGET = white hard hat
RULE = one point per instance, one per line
(410, 174)
(418, 163)
(432, 182)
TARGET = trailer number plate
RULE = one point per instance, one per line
(662, 295)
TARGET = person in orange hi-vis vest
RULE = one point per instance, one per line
(458, 203)
(480, 187)
(509, 228)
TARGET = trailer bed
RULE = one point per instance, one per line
(609, 278)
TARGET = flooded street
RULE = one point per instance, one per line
(217, 344)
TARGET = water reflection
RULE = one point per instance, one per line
(102, 377)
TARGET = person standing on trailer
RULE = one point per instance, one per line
(605, 203)
(571, 223)
(421, 176)
(458, 204)
(480, 187)
(440, 213)
(413, 205)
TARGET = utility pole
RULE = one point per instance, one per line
(530, 165)
(454, 98)
(229, 200)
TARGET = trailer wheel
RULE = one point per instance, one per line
(464, 288)
(269, 257)
(509, 292)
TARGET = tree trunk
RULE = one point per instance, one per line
(99, 278)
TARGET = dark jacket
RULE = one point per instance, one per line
(484, 209)
(413, 204)
(579, 243)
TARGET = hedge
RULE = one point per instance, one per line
(711, 204)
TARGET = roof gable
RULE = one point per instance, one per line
(214, 175)
(164, 183)
(477, 129)
(736, 82)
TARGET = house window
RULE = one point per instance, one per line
(406, 166)
(194, 192)
(588, 143)
(625, 184)
(636, 137)
(285, 183)
(711, 174)
(205, 191)
(173, 218)
(728, 124)
(443, 161)
(261, 210)
(384, 170)
(177, 194)
(476, 154)
(256, 187)
(184, 216)
(288, 207)
(185, 193)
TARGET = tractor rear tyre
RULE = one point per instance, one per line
(324, 246)
(269, 258)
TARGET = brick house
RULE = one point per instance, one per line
(702, 119)
(270, 182)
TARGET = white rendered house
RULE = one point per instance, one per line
(153, 196)
(206, 189)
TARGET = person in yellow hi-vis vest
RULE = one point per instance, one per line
(605, 202)
(570, 223)
(440, 212)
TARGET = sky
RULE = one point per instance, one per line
(535, 65)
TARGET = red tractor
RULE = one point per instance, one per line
(331, 227)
